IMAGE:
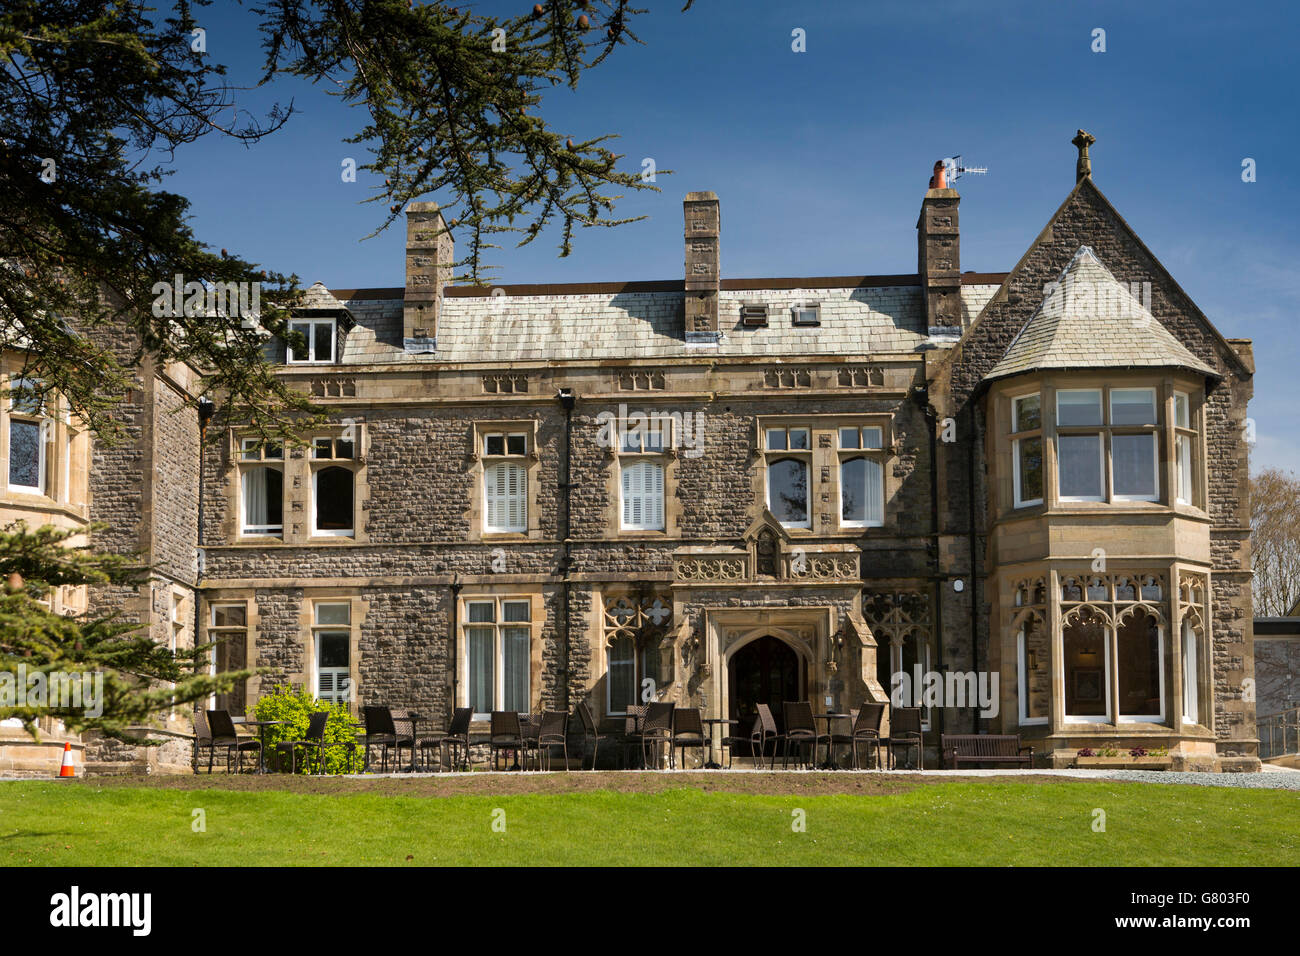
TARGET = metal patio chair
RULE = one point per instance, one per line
(314, 739)
(506, 734)
(227, 738)
(381, 731)
(753, 740)
(553, 731)
(453, 743)
(688, 731)
(592, 734)
(769, 734)
(801, 731)
(656, 730)
(864, 731)
(905, 731)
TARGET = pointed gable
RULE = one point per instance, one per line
(319, 299)
(1085, 218)
(1088, 319)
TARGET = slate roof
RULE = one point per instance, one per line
(855, 320)
(319, 299)
(1088, 319)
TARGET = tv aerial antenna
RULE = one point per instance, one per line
(955, 168)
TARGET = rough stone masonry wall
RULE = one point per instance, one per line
(118, 481)
(175, 497)
(1087, 219)
(421, 482)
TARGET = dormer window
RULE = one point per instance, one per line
(320, 336)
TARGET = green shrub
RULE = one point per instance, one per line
(295, 708)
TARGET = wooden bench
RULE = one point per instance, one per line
(984, 748)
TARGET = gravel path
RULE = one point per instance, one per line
(1271, 778)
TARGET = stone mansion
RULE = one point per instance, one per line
(720, 491)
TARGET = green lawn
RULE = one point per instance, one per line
(994, 823)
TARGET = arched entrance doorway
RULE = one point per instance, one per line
(764, 671)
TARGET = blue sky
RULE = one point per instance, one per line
(820, 158)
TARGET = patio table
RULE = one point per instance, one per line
(830, 718)
(716, 722)
(415, 721)
(261, 726)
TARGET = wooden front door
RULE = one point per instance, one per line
(765, 671)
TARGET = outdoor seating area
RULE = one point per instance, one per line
(656, 736)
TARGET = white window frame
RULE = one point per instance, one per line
(248, 465)
(1106, 686)
(498, 625)
(32, 416)
(640, 670)
(519, 460)
(1155, 465)
(896, 667)
(1100, 435)
(1184, 451)
(773, 456)
(1164, 703)
(1022, 686)
(318, 632)
(1028, 434)
(312, 358)
(872, 455)
(217, 631)
(644, 466)
(1191, 677)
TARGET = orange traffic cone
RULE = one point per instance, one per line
(67, 769)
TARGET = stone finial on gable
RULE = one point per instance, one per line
(1083, 168)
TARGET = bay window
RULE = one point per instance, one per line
(1107, 444)
(1113, 648)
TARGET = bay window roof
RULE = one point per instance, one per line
(1088, 319)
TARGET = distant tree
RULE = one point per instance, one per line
(1275, 541)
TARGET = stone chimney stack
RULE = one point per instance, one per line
(429, 255)
(939, 256)
(703, 267)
